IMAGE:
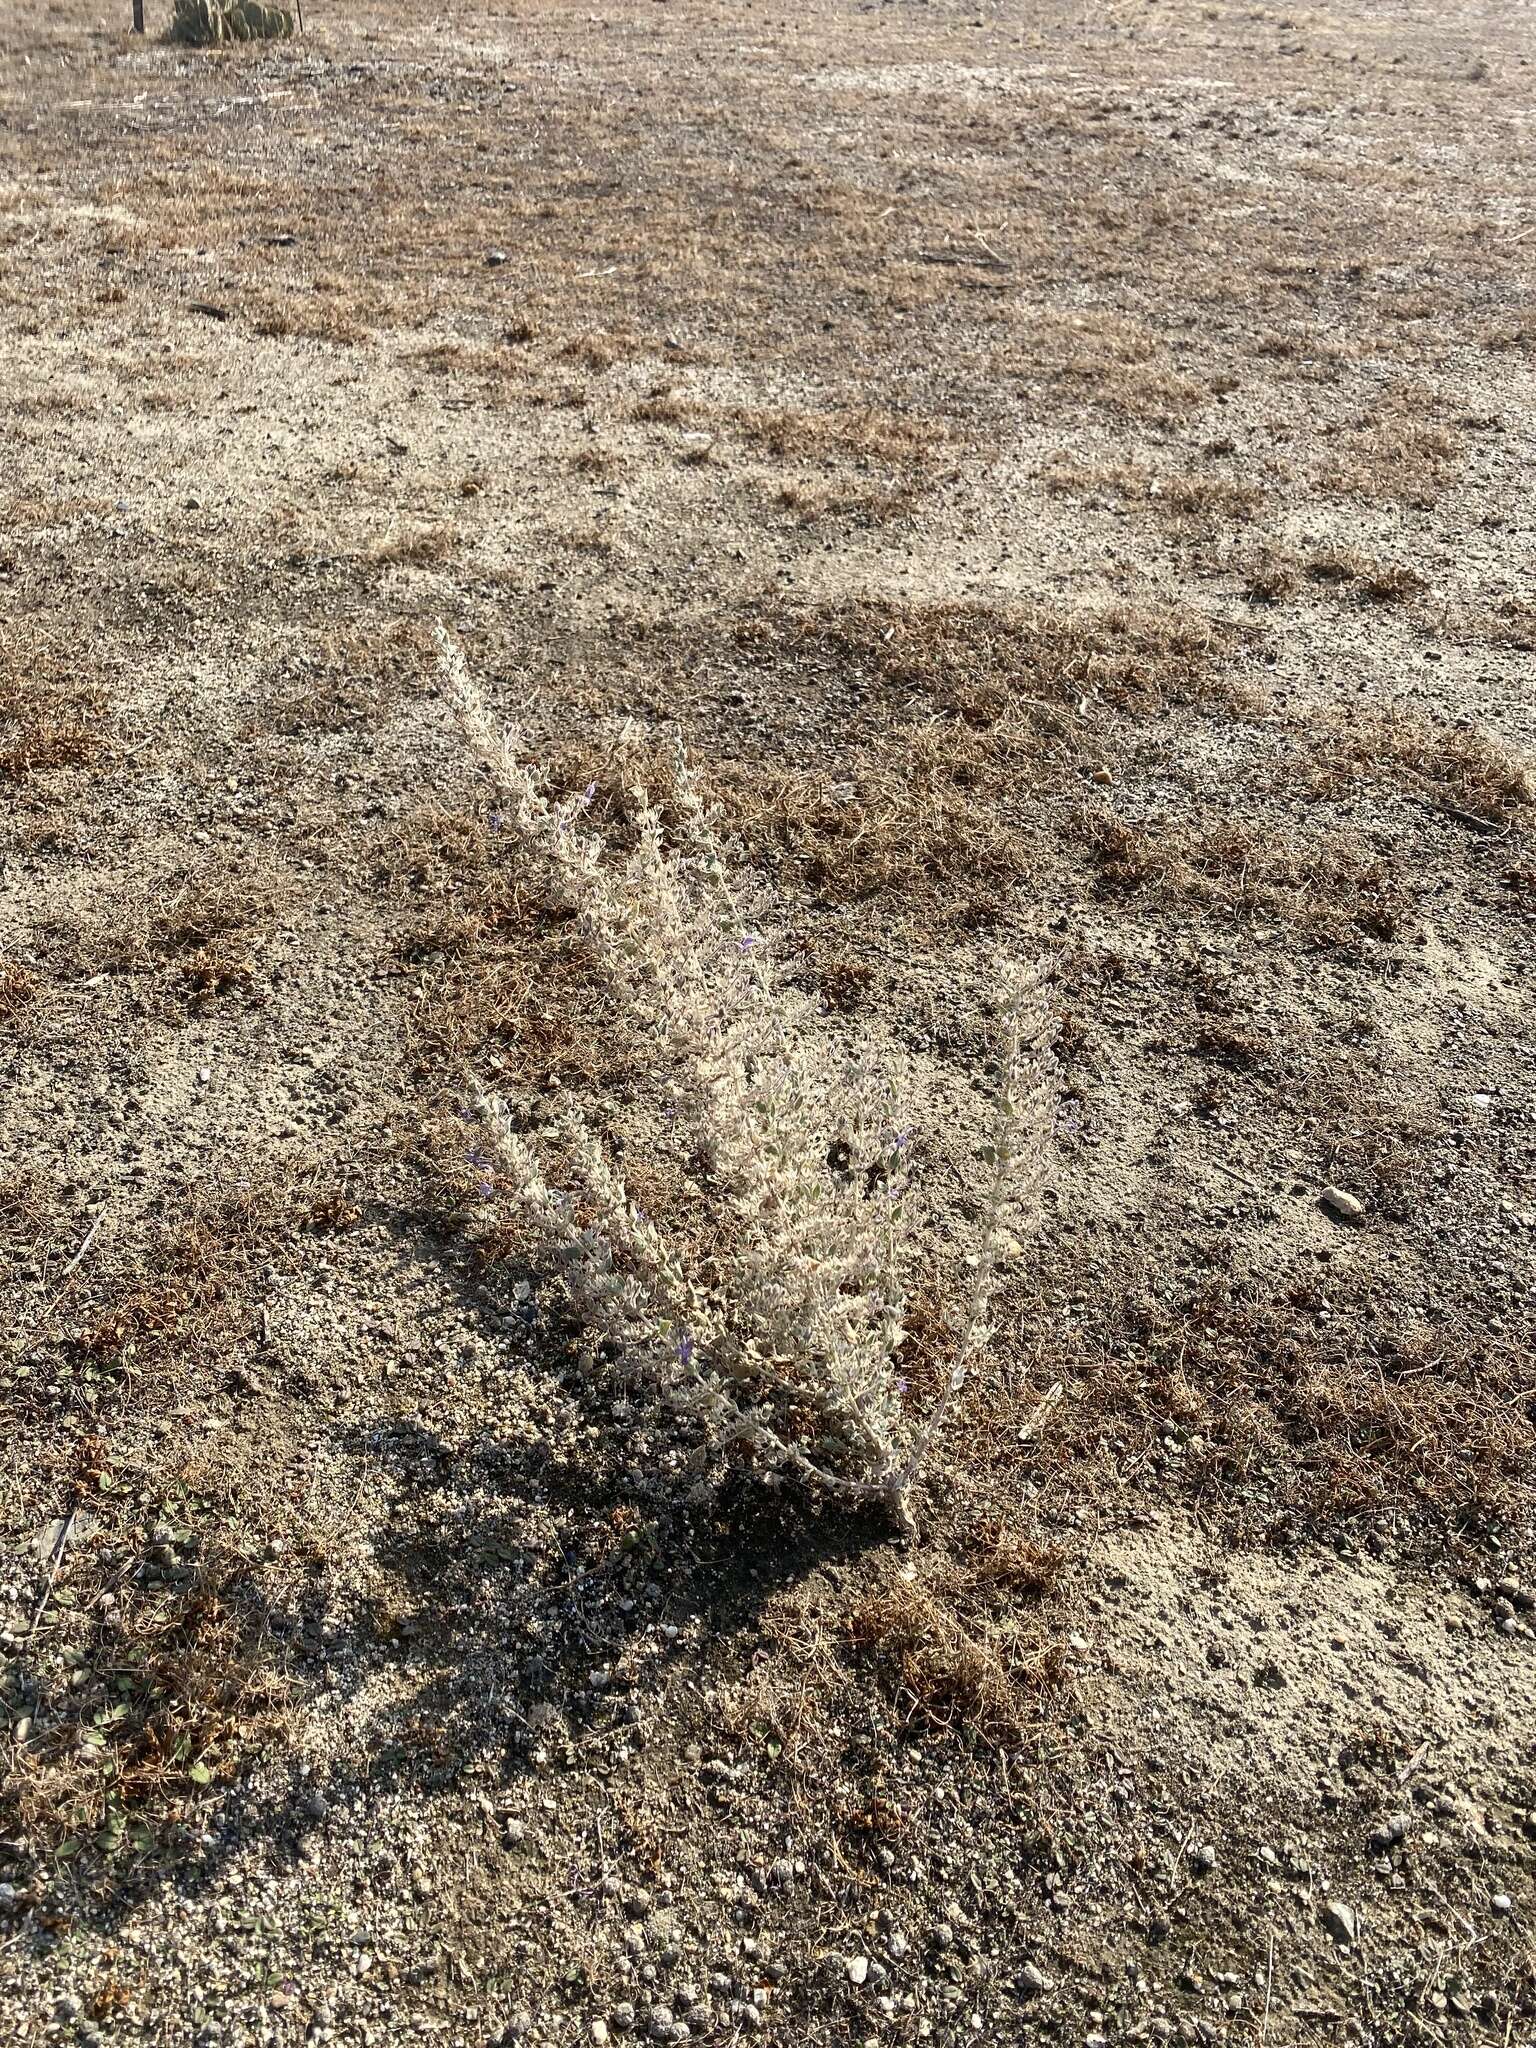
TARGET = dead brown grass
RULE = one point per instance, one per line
(1331, 885)
(1511, 623)
(1273, 577)
(208, 927)
(53, 709)
(1372, 581)
(1277, 573)
(423, 547)
(903, 825)
(863, 435)
(337, 326)
(1290, 1414)
(18, 989)
(1182, 497)
(1457, 767)
(1397, 452)
(975, 661)
(812, 503)
(957, 1646)
(593, 351)
(665, 407)
(498, 985)
(1116, 362)
(1210, 499)
(146, 1686)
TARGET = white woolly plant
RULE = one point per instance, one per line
(786, 1340)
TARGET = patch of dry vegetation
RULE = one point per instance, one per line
(53, 710)
(1296, 1414)
(179, 1292)
(1116, 362)
(1333, 886)
(975, 661)
(1464, 771)
(1398, 451)
(1511, 623)
(422, 547)
(144, 1678)
(1182, 498)
(810, 504)
(863, 435)
(146, 1683)
(498, 985)
(206, 927)
(1278, 573)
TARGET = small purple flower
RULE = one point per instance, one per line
(748, 940)
(685, 1353)
(498, 821)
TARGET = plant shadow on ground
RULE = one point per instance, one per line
(525, 1606)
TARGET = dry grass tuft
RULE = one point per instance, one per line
(1464, 771)
(866, 436)
(209, 926)
(812, 503)
(1331, 886)
(1182, 498)
(425, 547)
(342, 682)
(52, 715)
(1512, 623)
(1396, 452)
(183, 1287)
(1115, 361)
(592, 351)
(664, 407)
(1208, 499)
(147, 1685)
(1273, 576)
(499, 985)
(18, 990)
(1372, 581)
(902, 823)
(975, 661)
(212, 930)
(958, 1650)
(1281, 1417)
(943, 1676)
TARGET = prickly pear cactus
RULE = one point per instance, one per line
(228, 21)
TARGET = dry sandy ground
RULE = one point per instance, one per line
(1066, 473)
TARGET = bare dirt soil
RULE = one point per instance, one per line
(1065, 472)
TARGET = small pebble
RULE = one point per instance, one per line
(1338, 1921)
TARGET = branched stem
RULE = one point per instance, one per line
(788, 1339)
